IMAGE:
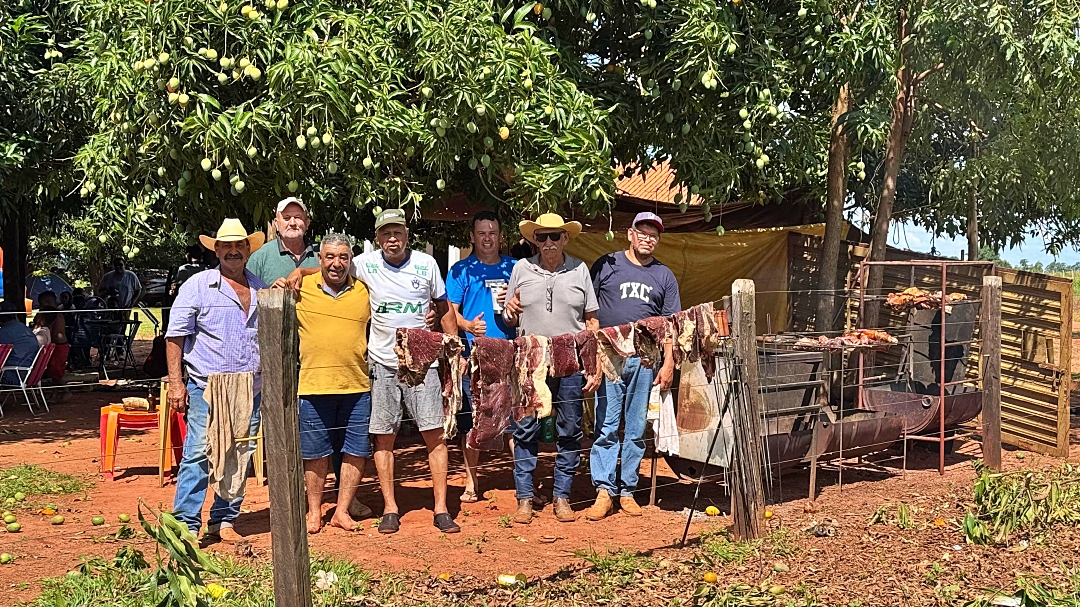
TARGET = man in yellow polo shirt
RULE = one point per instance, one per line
(335, 392)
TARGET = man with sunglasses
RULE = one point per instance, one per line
(630, 285)
(551, 294)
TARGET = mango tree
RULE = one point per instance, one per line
(228, 106)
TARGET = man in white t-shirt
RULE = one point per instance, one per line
(403, 285)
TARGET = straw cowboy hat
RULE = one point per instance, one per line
(232, 230)
(549, 221)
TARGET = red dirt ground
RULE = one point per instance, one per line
(483, 549)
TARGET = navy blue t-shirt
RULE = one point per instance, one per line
(628, 292)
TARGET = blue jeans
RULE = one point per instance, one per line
(566, 405)
(335, 423)
(194, 474)
(625, 403)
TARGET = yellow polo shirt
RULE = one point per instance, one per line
(333, 338)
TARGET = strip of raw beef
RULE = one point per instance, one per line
(417, 350)
(564, 356)
(686, 343)
(451, 370)
(615, 344)
(587, 353)
(706, 335)
(531, 395)
(649, 336)
(491, 366)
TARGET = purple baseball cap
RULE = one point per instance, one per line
(652, 218)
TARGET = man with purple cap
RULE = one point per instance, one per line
(630, 285)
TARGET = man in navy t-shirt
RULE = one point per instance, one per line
(630, 285)
(476, 288)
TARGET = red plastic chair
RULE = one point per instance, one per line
(171, 433)
(30, 377)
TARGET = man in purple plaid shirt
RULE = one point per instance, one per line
(213, 328)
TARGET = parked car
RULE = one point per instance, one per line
(155, 286)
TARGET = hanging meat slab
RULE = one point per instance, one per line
(686, 342)
(615, 345)
(417, 350)
(587, 353)
(530, 392)
(451, 370)
(564, 355)
(491, 366)
(649, 336)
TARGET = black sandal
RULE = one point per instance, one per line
(389, 523)
(445, 523)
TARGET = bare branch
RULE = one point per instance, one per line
(923, 75)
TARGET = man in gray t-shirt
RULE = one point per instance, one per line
(551, 294)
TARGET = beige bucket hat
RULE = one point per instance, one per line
(232, 230)
(549, 221)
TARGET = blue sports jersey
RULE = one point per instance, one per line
(469, 285)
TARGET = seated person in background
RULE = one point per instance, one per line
(41, 331)
(55, 322)
(13, 331)
(66, 303)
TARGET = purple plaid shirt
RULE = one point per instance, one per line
(221, 338)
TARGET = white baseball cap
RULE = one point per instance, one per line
(291, 200)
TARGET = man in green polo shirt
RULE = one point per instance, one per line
(273, 263)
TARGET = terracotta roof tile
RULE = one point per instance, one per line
(655, 185)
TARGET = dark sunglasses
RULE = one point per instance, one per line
(548, 235)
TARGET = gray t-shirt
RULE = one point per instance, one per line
(553, 303)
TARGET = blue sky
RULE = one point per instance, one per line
(917, 238)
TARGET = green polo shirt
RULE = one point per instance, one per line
(272, 261)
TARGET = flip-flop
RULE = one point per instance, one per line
(389, 523)
(469, 497)
(445, 523)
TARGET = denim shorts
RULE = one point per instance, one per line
(424, 403)
(327, 420)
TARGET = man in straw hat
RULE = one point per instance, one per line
(551, 294)
(213, 329)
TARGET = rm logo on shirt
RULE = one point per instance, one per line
(635, 290)
(397, 307)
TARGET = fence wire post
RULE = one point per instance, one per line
(748, 492)
(990, 349)
(279, 347)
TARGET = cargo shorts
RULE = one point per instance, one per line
(424, 403)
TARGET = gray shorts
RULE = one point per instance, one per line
(424, 402)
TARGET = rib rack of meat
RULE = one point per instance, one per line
(919, 299)
(530, 392)
(491, 365)
(564, 355)
(857, 338)
(615, 345)
(649, 336)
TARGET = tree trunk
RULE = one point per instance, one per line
(834, 214)
(973, 226)
(16, 250)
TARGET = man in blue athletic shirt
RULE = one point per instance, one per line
(630, 285)
(476, 288)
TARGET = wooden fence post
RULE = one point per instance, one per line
(990, 349)
(748, 492)
(279, 347)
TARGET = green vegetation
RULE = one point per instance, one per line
(30, 480)
(1022, 505)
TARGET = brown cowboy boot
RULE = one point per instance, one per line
(524, 513)
(629, 505)
(601, 508)
(563, 512)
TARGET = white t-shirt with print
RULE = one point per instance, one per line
(400, 297)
